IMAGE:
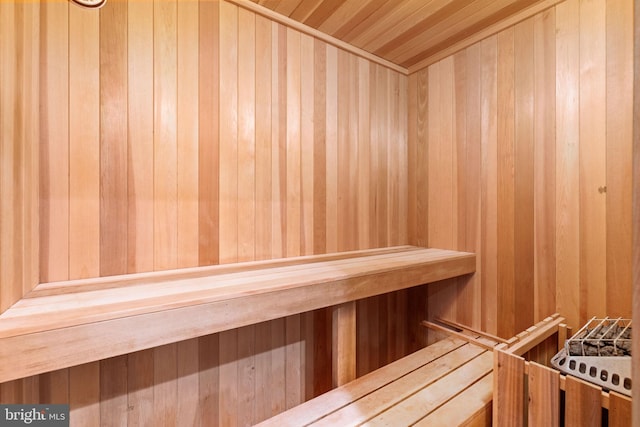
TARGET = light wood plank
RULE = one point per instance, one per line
(567, 162)
(187, 135)
(545, 164)
(113, 391)
(279, 140)
(113, 140)
(344, 344)
(228, 108)
(140, 379)
(508, 389)
(84, 144)
(489, 153)
(619, 410)
(245, 405)
(263, 139)
(246, 172)
(208, 131)
(320, 148)
(293, 352)
(187, 382)
(339, 398)
(429, 398)
(165, 134)
(619, 154)
(307, 144)
(593, 149)
(84, 394)
(544, 396)
(524, 175)
(293, 154)
(332, 150)
(54, 151)
(140, 109)
(506, 183)
(582, 403)
(472, 403)
(165, 387)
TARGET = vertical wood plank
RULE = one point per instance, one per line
(278, 366)
(209, 379)
(140, 184)
(320, 148)
(140, 387)
(165, 385)
(523, 283)
(113, 391)
(489, 179)
(263, 382)
(113, 139)
(293, 171)
(582, 403)
(412, 149)
(246, 376)
(54, 143)
(619, 410)
(545, 164)
(10, 209)
(54, 387)
(619, 130)
(508, 386)
(506, 184)
(84, 144)
(188, 387)
(293, 353)
(31, 146)
(394, 142)
(593, 243)
(187, 135)
(422, 153)
(246, 171)
(381, 159)
(279, 139)
(228, 376)
(635, 368)
(403, 159)
(307, 143)
(567, 162)
(263, 138)
(544, 396)
(228, 133)
(344, 343)
(208, 132)
(165, 134)
(332, 149)
(84, 394)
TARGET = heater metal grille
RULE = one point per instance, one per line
(600, 352)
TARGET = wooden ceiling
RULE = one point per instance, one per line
(405, 32)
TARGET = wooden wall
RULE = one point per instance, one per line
(19, 136)
(520, 149)
(184, 133)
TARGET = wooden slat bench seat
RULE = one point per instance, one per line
(449, 382)
(69, 323)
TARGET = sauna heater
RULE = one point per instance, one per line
(600, 352)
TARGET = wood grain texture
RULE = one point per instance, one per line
(19, 151)
(582, 407)
(544, 157)
(544, 396)
(508, 389)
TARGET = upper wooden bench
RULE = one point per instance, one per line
(68, 323)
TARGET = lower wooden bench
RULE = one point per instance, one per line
(447, 383)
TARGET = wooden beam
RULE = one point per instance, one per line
(344, 343)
